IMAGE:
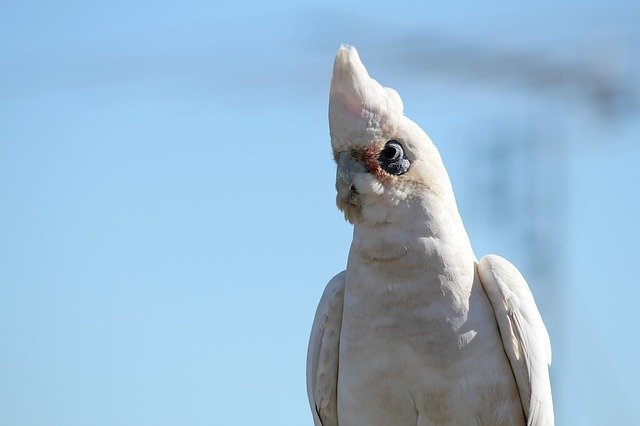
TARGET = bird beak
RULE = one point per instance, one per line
(348, 168)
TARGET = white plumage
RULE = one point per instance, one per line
(416, 331)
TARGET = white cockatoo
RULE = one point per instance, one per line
(416, 331)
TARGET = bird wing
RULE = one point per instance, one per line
(322, 355)
(524, 336)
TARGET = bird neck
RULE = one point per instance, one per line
(422, 229)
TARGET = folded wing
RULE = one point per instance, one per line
(322, 355)
(524, 335)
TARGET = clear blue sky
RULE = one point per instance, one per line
(167, 218)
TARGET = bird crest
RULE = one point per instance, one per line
(360, 109)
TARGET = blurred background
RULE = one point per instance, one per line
(167, 218)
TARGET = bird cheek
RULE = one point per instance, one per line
(370, 160)
(367, 183)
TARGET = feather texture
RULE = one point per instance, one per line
(524, 336)
(414, 332)
(322, 355)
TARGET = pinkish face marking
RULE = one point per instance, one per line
(369, 158)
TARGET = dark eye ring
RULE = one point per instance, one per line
(392, 159)
(392, 151)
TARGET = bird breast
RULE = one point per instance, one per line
(419, 329)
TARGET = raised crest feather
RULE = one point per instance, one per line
(358, 105)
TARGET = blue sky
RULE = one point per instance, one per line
(167, 213)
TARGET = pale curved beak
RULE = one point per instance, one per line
(348, 168)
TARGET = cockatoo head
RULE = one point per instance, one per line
(386, 163)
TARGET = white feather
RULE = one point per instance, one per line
(407, 334)
(524, 335)
(322, 355)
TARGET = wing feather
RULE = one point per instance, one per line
(524, 336)
(322, 355)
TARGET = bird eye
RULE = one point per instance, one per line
(392, 159)
(392, 151)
